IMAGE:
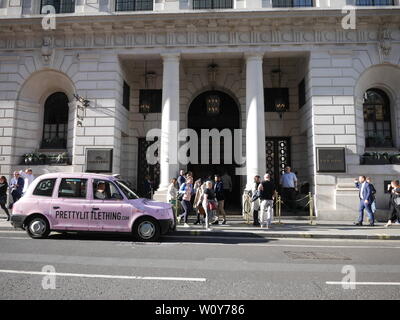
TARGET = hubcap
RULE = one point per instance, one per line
(38, 227)
(146, 230)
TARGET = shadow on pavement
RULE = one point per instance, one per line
(227, 238)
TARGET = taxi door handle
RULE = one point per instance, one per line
(56, 207)
(95, 208)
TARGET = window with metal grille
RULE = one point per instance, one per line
(61, 6)
(153, 97)
(377, 119)
(55, 126)
(375, 2)
(212, 4)
(133, 5)
(291, 3)
(272, 95)
(302, 93)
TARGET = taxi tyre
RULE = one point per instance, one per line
(40, 221)
(142, 221)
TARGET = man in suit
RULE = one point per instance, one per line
(366, 199)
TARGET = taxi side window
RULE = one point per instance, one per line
(72, 188)
(105, 190)
(45, 188)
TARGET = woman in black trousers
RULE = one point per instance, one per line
(3, 195)
(394, 209)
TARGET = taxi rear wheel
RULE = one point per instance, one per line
(38, 228)
(146, 229)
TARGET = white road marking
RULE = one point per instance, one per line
(12, 231)
(103, 276)
(363, 283)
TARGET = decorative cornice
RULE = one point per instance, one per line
(198, 33)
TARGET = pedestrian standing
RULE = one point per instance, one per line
(373, 191)
(147, 187)
(172, 191)
(255, 204)
(187, 191)
(228, 186)
(366, 198)
(181, 178)
(3, 195)
(199, 191)
(28, 177)
(219, 193)
(16, 187)
(394, 206)
(289, 187)
(210, 203)
(267, 195)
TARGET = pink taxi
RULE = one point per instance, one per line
(89, 202)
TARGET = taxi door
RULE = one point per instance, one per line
(69, 209)
(110, 212)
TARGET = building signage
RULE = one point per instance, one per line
(99, 160)
(331, 160)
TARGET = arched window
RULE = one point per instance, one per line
(55, 124)
(378, 129)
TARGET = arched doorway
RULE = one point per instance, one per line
(228, 117)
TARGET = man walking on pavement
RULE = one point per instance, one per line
(289, 187)
(219, 192)
(267, 194)
(366, 199)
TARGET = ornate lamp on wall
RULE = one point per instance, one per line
(145, 105)
(213, 101)
(280, 101)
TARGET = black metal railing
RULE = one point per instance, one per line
(291, 3)
(60, 6)
(375, 2)
(212, 4)
(133, 5)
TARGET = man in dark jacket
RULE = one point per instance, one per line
(219, 192)
(16, 187)
(366, 199)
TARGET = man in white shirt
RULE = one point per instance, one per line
(28, 178)
(289, 187)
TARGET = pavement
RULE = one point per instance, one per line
(290, 227)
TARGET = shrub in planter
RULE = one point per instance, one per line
(395, 159)
(30, 158)
(375, 158)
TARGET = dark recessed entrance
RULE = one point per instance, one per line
(227, 118)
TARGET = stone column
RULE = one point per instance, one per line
(169, 120)
(255, 117)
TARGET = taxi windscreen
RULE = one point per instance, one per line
(126, 190)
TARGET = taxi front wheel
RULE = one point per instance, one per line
(38, 228)
(146, 229)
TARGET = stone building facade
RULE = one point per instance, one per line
(112, 55)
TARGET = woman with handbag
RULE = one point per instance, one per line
(198, 198)
(394, 209)
(210, 203)
(3, 195)
(185, 192)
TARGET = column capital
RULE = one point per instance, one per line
(255, 55)
(175, 56)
